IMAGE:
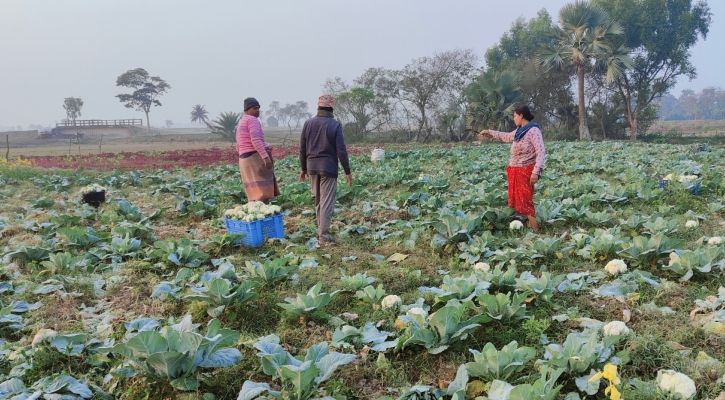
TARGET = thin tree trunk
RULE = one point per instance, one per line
(148, 124)
(583, 128)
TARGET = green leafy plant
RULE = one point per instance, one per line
(219, 242)
(543, 287)
(453, 227)
(643, 250)
(300, 379)
(175, 352)
(61, 263)
(491, 364)
(502, 307)
(437, 331)
(182, 253)
(582, 351)
(77, 237)
(304, 304)
(269, 272)
(476, 247)
(371, 295)
(62, 387)
(702, 260)
(124, 247)
(356, 282)
(462, 288)
(219, 293)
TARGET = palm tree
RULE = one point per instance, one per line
(199, 113)
(492, 97)
(226, 125)
(585, 35)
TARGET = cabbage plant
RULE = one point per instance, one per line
(702, 260)
(347, 336)
(182, 253)
(304, 304)
(463, 288)
(582, 351)
(174, 353)
(357, 281)
(300, 379)
(453, 227)
(491, 364)
(269, 272)
(437, 331)
(371, 295)
(219, 293)
(643, 250)
(61, 387)
(504, 307)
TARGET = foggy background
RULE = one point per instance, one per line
(216, 53)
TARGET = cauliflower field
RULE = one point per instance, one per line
(434, 288)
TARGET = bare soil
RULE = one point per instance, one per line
(27, 145)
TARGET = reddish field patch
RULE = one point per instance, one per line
(160, 159)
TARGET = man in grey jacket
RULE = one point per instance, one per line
(321, 146)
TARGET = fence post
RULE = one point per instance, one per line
(7, 153)
(70, 145)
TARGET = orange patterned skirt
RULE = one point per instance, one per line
(521, 191)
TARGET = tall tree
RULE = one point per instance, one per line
(72, 106)
(146, 90)
(585, 35)
(274, 110)
(300, 111)
(226, 125)
(427, 84)
(199, 113)
(366, 112)
(547, 92)
(493, 97)
(661, 34)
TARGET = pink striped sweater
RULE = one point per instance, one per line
(250, 136)
(526, 151)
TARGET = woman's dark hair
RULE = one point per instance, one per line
(524, 112)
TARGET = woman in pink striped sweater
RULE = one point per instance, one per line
(255, 156)
(527, 159)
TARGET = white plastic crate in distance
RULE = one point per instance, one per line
(256, 231)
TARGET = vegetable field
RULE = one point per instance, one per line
(433, 290)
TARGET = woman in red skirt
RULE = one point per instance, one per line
(527, 160)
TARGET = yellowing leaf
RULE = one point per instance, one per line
(397, 257)
(559, 255)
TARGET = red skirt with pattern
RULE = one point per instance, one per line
(521, 191)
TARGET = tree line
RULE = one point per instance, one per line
(602, 69)
(598, 70)
(708, 104)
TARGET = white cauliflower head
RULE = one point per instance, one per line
(674, 258)
(691, 224)
(715, 240)
(417, 311)
(516, 225)
(615, 328)
(676, 383)
(615, 267)
(44, 335)
(482, 266)
(391, 301)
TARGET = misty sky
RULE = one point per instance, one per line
(218, 52)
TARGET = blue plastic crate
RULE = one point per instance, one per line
(256, 231)
(694, 189)
(273, 227)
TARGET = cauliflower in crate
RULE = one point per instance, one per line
(252, 211)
